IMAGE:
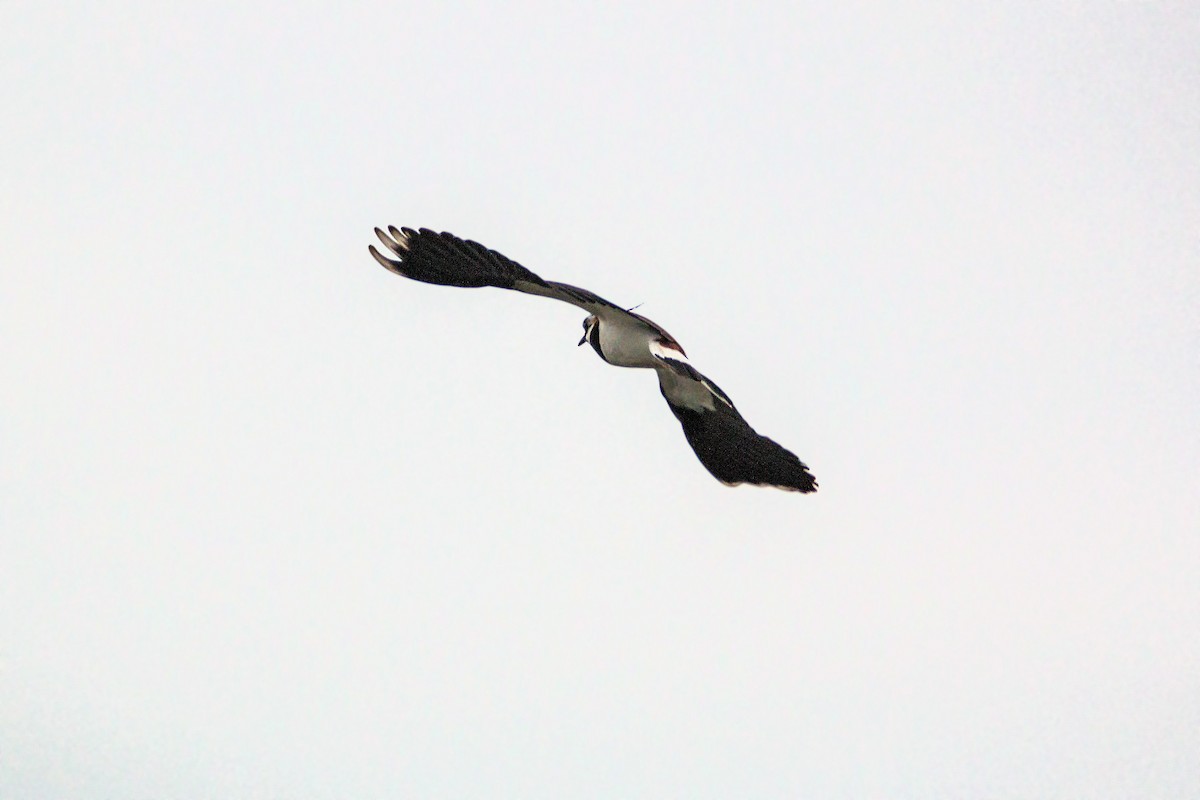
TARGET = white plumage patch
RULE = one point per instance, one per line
(661, 350)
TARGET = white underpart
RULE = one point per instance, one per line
(626, 342)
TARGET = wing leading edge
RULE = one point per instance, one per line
(446, 260)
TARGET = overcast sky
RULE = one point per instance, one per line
(275, 523)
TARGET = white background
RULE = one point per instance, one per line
(279, 524)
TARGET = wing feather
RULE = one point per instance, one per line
(724, 442)
(446, 260)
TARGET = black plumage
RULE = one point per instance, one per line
(723, 441)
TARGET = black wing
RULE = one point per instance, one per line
(724, 442)
(447, 260)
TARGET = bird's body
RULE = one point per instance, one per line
(723, 441)
(624, 343)
(624, 340)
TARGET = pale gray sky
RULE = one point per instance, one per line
(276, 523)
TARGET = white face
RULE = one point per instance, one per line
(588, 324)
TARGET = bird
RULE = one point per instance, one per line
(724, 442)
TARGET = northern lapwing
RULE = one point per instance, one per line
(725, 443)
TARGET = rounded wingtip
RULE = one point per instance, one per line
(384, 261)
(399, 245)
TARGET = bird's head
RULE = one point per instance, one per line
(589, 325)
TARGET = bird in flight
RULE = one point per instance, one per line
(724, 442)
